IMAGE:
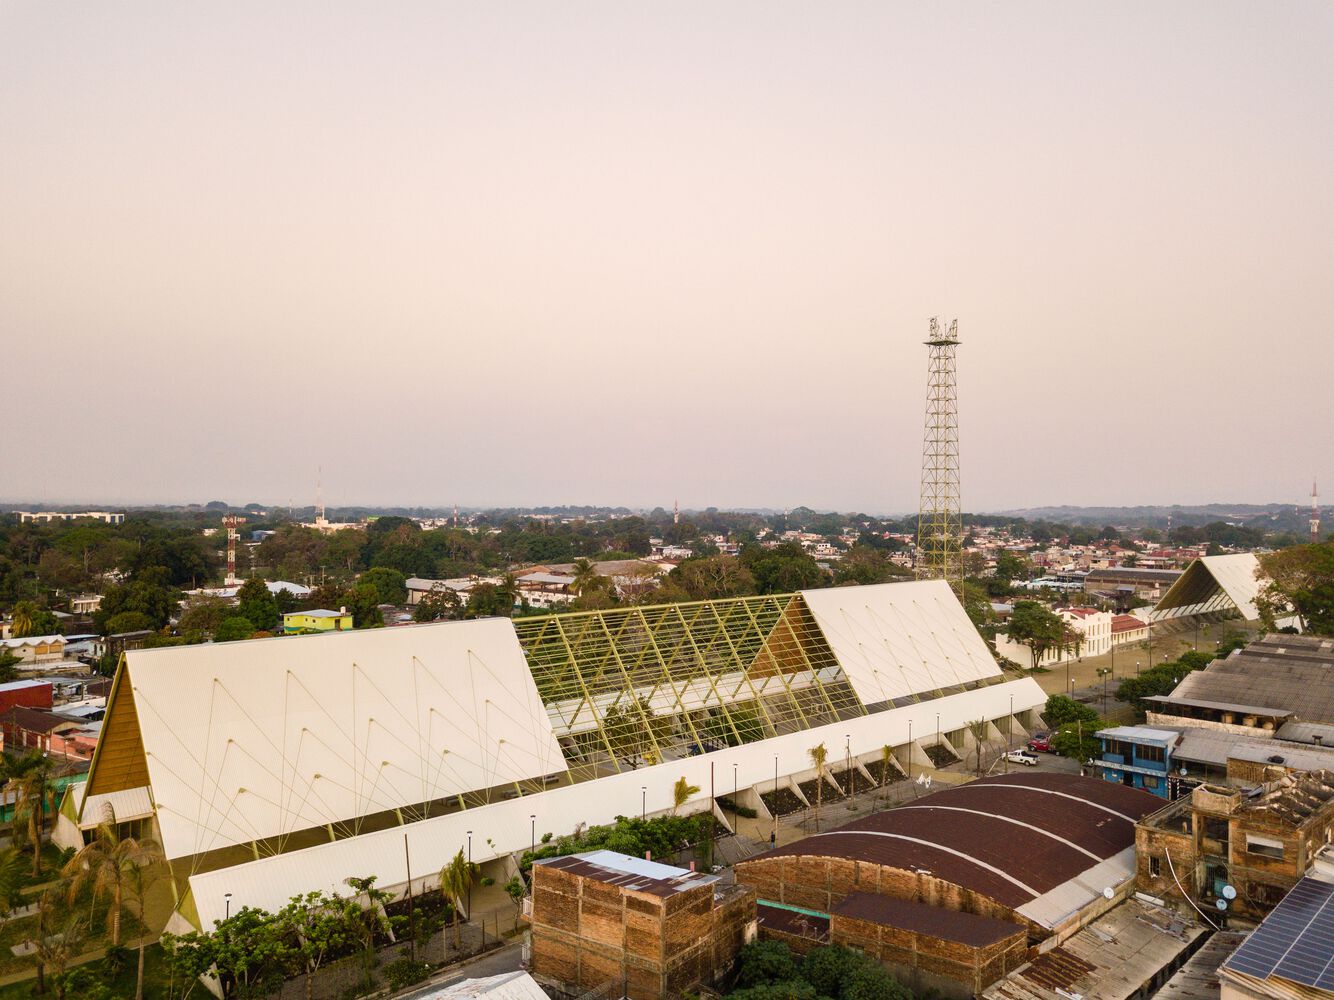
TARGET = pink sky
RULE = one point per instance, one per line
(628, 252)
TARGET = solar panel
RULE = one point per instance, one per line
(1296, 941)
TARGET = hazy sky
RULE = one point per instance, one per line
(624, 252)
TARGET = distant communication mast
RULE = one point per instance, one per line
(940, 515)
(231, 522)
(1315, 514)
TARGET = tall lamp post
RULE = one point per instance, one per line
(533, 820)
(910, 751)
(773, 836)
(847, 753)
(469, 869)
(735, 804)
(643, 802)
(227, 906)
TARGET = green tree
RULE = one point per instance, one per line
(761, 963)
(681, 792)
(456, 879)
(57, 940)
(129, 621)
(372, 923)
(1077, 741)
(516, 891)
(9, 663)
(864, 564)
(1059, 710)
(201, 619)
(783, 569)
(390, 585)
(710, 577)
(363, 603)
(29, 788)
(1299, 580)
(30, 620)
(233, 629)
(151, 594)
(255, 602)
(1037, 627)
(818, 756)
(104, 866)
(250, 952)
(322, 925)
(586, 577)
(441, 604)
(486, 601)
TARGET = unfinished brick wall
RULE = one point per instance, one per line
(924, 962)
(586, 933)
(819, 883)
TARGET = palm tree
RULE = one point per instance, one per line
(886, 755)
(818, 755)
(509, 591)
(107, 864)
(29, 790)
(681, 793)
(585, 577)
(21, 623)
(456, 878)
(56, 943)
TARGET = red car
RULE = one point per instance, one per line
(1040, 743)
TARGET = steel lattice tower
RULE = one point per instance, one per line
(940, 515)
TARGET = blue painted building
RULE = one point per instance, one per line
(1137, 756)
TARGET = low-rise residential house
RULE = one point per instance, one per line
(546, 590)
(36, 648)
(49, 732)
(419, 587)
(1137, 756)
(317, 620)
(117, 643)
(1127, 630)
(85, 604)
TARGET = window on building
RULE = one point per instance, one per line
(1264, 847)
(1150, 781)
(1155, 868)
(1155, 754)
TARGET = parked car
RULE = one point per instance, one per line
(1040, 743)
(1026, 757)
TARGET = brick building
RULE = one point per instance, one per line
(653, 930)
(1042, 854)
(1259, 843)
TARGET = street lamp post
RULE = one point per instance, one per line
(773, 837)
(469, 869)
(735, 804)
(227, 906)
(910, 750)
(533, 820)
(847, 752)
(643, 802)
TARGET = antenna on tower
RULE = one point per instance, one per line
(1315, 514)
(940, 513)
(319, 495)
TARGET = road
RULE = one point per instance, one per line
(494, 963)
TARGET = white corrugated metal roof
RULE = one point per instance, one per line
(1062, 902)
(506, 986)
(126, 805)
(255, 739)
(894, 640)
(505, 827)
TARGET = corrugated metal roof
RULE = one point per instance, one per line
(256, 739)
(126, 805)
(1294, 676)
(922, 918)
(1015, 838)
(895, 640)
(626, 872)
(506, 986)
(505, 827)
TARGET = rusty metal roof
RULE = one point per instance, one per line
(626, 872)
(1011, 837)
(790, 920)
(922, 918)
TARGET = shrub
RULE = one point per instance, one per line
(726, 804)
(404, 972)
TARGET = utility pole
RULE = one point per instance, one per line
(940, 514)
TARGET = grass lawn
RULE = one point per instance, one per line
(122, 986)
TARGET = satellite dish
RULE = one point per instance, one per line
(1107, 893)
(1221, 904)
(1229, 892)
